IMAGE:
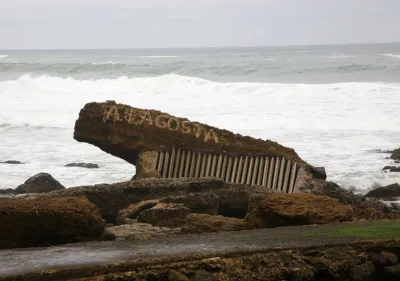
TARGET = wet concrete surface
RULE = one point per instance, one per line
(30, 260)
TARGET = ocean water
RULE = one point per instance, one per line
(337, 106)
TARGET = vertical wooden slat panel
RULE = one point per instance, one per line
(265, 172)
(234, 169)
(192, 164)
(208, 166)
(160, 162)
(271, 172)
(293, 178)
(260, 175)
(219, 166)
(177, 163)
(245, 170)
(239, 170)
(255, 170)
(213, 171)
(166, 163)
(203, 165)
(171, 163)
(276, 173)
(287, 177)
(182, 166)
(198, 164)
(250, 171)
(281, 174)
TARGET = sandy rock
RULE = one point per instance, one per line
(39, 183)
(42, 221)
(83, 165)
(165, 215)
(297, 209)
(199, 223)
(111, 198)
(132, 211)
(138, 231)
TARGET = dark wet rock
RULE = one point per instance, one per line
(391, 169)
(15, 162)
(391, 273)
(363, 272)
(395, 206)
(164, 215)
(138, 231)
(395, 154)
(83, 165)
(39, 183)
(176, 276)
(201, 203)
(297, 209)
(8, 191)
(199, 223)
(344, 196)
(392, 190)
(202, 275)
(42, 221)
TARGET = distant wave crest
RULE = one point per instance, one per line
(397, 56)
(3, 56)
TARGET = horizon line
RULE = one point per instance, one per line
(192, 47)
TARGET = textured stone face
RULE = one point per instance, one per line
(125, 131)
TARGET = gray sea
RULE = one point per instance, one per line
(337, 106)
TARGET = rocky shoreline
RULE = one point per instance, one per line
(268, 187)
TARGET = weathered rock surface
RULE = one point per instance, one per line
(138, 231)
(124, 131)
(42, 221)
(15, 162)
(83, 165)
(392, 190)
(391, 169)
(199, 223)
(111, 198)
(164, 215)
(201, 203)
(344, 196)
(132, 211)
(395, 154)
(39, 183)
(8, 191)
(297, 209)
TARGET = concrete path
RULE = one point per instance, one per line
(30, 260)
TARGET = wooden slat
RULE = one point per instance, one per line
(239, 170)
(182, 166)
(287, 177)
(192, 164)
(208, 166)
(160, 162)
(213, 166)
(260, 171)
(234, 169)
(271, 172)
(166, 163)
(265, 172)
(293, 178)
(197, 165)
(219, 165)
(255, 170)
(203, 165)
(224, 167)
(245, 170)
(281, 174)
(276, 173)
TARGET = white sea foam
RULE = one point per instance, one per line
(397, 56)
(339, 56)
(157, 57)
(3, 56)
(332, 125)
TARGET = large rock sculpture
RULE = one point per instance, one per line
(162, 145)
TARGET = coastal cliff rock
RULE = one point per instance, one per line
(43, 221)
(395, 154)
(124, 131)
(39, 183)
(392, 190)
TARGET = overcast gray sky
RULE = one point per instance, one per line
(52, 24)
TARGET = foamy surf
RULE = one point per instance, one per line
(397, 56)
(3, 56)
(333, 125)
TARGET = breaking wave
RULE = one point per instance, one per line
(397, 56)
